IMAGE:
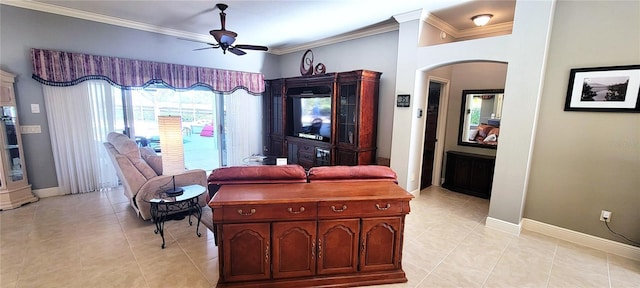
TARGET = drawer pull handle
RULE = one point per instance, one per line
(383, 208)
(344, 207)
(296, 212)
(251, 212)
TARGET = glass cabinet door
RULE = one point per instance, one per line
(11, 147)
(348, 114)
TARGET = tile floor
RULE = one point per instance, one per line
(95, 240)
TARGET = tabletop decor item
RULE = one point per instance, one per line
(306, 65)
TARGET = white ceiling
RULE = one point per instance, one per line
(282, 25)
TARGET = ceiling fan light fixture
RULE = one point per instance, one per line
(482, 19)
(224, 36)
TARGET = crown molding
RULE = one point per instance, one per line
(471, 32)
(409, 16)
(440, 24)
(48, 8)
(337, 39)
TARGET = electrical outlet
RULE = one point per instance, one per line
(605, 215)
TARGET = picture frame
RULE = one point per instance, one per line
(604, 89)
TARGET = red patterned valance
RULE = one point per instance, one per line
(55, 68)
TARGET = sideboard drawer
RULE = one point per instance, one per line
(241, 213)
(306, 157)
(306, 148)
(331, 209)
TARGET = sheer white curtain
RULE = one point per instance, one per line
(243, 123)
(80, 117)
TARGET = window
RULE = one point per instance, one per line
(198, 109)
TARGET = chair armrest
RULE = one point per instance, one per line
(158, 184)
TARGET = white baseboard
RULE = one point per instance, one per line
(415, 192)
(503, 226)
(47, 192)
(613, 247)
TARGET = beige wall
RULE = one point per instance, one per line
(584, 162)
(466, 76)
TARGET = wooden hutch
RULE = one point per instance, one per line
(349, 137)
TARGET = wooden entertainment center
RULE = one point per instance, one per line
(350, 137)
(310, 234)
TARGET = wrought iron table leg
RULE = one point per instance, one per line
(199, 214)
(158, 218)
(195, 207)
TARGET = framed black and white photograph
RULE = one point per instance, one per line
(604, 89)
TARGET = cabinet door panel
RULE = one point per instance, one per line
(292, 152)
(482, 176)
(463, 168)
(276, 146)
(346, 158)
(338, 246)
(380, 243)
(294, 245)
(246, 252)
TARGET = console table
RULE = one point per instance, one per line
(469, 173)
(310, 234)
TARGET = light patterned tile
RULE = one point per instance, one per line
(520, 269)
(415, 274)
(121, 274)
(624, 271)
(446, 245)
(581, 258)
(449, 275)
(211, 270)
(52, 278)
(564, 276)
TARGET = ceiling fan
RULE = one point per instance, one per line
(226, 38)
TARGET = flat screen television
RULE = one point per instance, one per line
(310, 117)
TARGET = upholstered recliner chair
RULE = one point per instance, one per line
(140, 172)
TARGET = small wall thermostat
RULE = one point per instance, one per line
(403, 100)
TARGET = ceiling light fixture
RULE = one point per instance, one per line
(482, 19)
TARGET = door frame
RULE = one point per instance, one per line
(440, 130)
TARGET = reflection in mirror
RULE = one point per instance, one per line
(480, 118)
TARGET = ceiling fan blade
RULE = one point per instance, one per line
(252, 47)
(236, 51)
(205, 48)
(197, 41)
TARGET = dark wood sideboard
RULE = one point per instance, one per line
(469, 173)
(310, 234)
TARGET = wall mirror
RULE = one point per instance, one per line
(480, 118)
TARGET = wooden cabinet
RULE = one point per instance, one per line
(353, 118)
(357, 115)
(294, 249)
(338, 242)
(308, 153)
(246, 251)
(15, 189)
(321, 234)
(273, 102)
(469, 173)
